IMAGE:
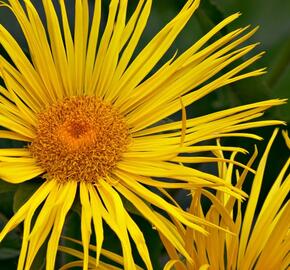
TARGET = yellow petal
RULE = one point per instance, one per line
(253, 198)
(58, 224)
(92, 45)
(154, 50)
(115, 207)
(153, 218)
(41, 193)
(97, 221)
(139, 240)
(42, 226)
(286, 138)
(16, 127)
(85, 222)
(18, 172)
(178, 265)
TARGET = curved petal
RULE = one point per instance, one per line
(86, 217)
(20, 215)
(174, 263)
(18, 172)
(117, 211)
(64, 206)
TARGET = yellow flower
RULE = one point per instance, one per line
(257, 240)
(91, 120)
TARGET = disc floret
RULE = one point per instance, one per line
(80, 138)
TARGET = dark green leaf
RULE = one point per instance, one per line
(39, 261)
(23, 193)
(7, 187)
(8, 253)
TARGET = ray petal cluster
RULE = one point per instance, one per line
(256, 239)
(78, 155)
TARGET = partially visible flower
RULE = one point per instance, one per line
(111, 258)
(258, 240)
(90, 118)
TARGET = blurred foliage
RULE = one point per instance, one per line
(274, 34)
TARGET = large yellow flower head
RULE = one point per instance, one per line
(90, 116)
(256, 239)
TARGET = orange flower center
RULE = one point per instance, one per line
(80, 139)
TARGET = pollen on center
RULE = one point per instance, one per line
(80, 139)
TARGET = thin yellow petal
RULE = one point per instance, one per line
(18, 172)
(150, 215)
(97, 221)
(139, 240)
(174, 263)
(92, 45)
(132, 43)
(112, 53)
(103, 47)
(17, 127)
(86, 222)
(58, 50)
(19, 216)
(58, 225)
(42, 227)
(115, 206)
(286, 138)
(253, 198)
(22, 63)
(154, 50)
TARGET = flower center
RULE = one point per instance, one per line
(79, 138)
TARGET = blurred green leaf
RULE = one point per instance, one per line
(39, 260)
(23, 193)
(280, 64)
(7, 187)
(76, 207)
(71, 229)
(6, 201)
(251, 90)
(8, 253)
(209, 15)
(131, 208)
(9, 247)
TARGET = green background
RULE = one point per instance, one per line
(273, 17)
